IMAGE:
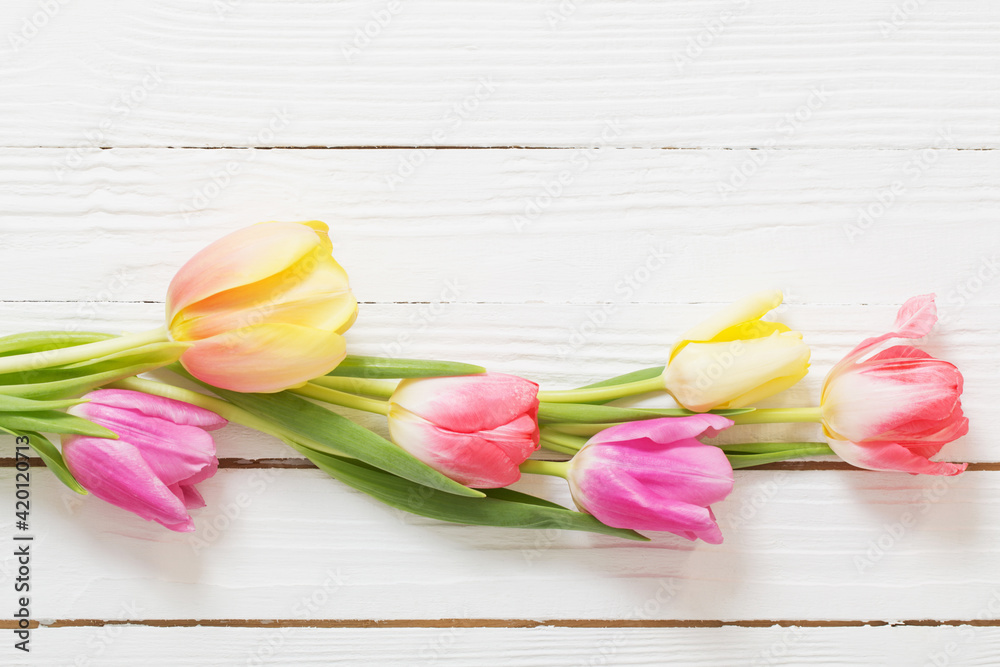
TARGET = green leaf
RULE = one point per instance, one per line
(51, 456)
(54, 421)
(17, 404)
(328, 432)
(78, 385)
(790, 451)
(634, 376)
(379, 368)
(579, 413)
(39, 341)
(507, 509)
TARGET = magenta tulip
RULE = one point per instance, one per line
(476, 429)
(163, 450)
(895, 409)
(655, 475)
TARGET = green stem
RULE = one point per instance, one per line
(545, 443)
(780, 416)
(379, 388)
(342, 398)
(70, 355)
(571, 442)
(554, 468)
(585, 430)
(602, 394)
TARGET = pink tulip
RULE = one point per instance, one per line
(476, 429)
(897, 408)
(163, 450)
(654, 475)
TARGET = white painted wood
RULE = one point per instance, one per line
(439, 72)
(117, 646)
(816, 545)
(479, 226)
(561, 346)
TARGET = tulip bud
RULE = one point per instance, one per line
(264, 306)
(897, 408)
(475, 429)
(654, 475)
(162, 451)
(735, 359)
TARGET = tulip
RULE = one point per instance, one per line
(263, 307)
(894, 409)
(735, 359)
(475, 429)
(163, 450)
(731, 360)
(654, 475)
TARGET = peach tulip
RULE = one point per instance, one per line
(264, 308)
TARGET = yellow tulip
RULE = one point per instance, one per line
(264, 307)
(734, 359)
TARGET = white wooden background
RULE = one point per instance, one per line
(553, 188)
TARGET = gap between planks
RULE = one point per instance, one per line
(488, 623)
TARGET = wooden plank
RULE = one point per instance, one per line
(568, 345)
(115, 646)
(694, 74)
(814, 545)
(481, 226)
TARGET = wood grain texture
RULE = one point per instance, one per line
(536, 647)
(651, 226)
(293, 544)
(731, 73)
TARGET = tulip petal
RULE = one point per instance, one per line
(177, 412)
(751, 307)
(664, 430)
(312, 292)
(468, 458)
(915, 319)
(704, 376)
(245, 256)
(892, 457)
(879, 397)
(626, 503)
(265, 358)
(470, 403)
(116, 472)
